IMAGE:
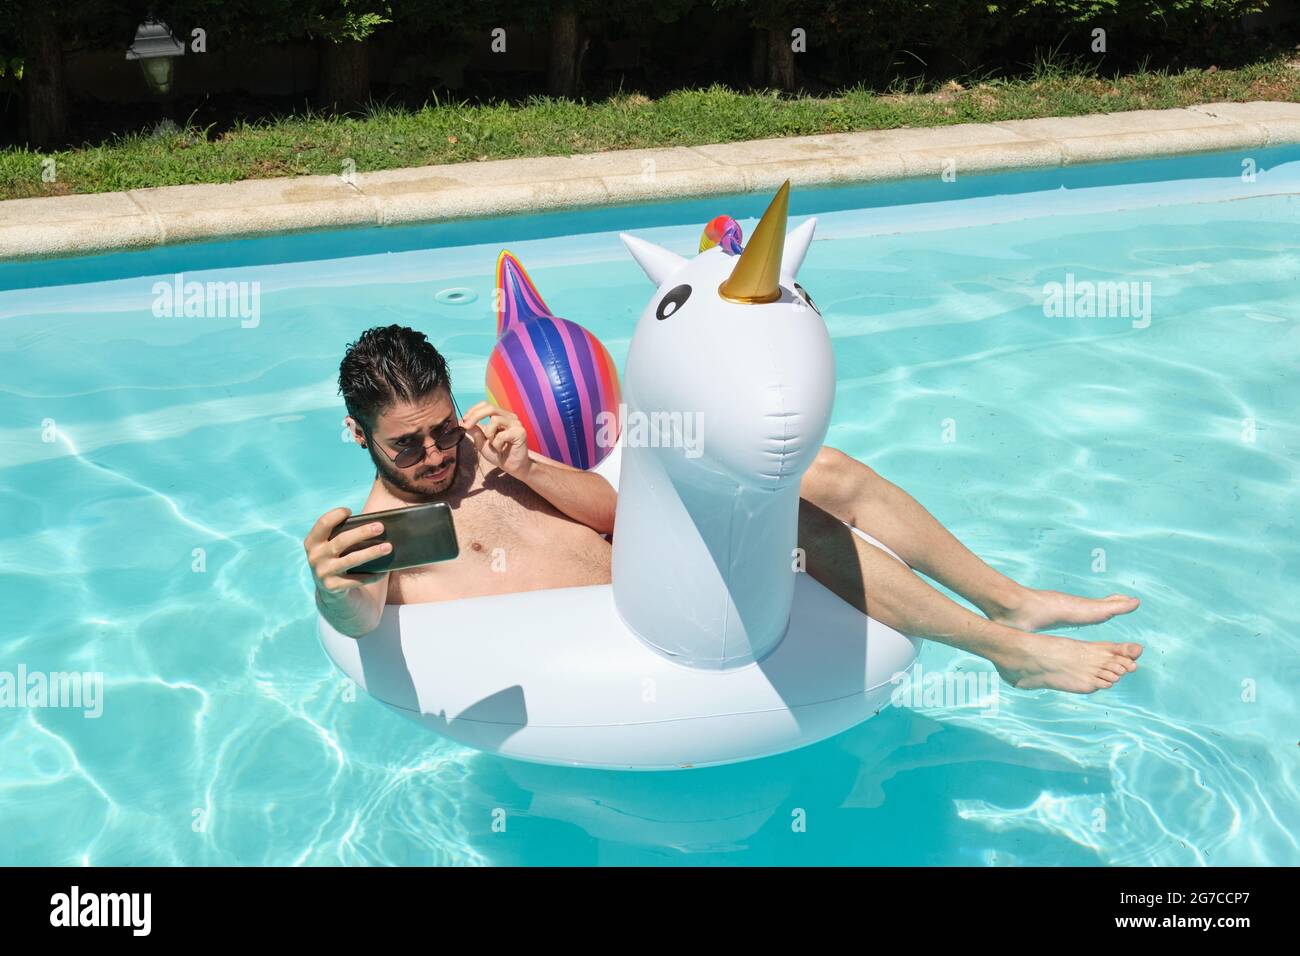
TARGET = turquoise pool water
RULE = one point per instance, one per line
(1091, 454)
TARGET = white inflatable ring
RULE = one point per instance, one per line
(709, 647)
(569, 684)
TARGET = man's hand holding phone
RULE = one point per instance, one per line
(330, 565)
(345, 563)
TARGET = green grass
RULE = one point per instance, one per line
(455, 132)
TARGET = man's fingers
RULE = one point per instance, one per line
(488, 410)
(483, 410)
(492, 430)
(340, 543)
(326, 523)
(507, 437)
(507, 423)
(476, 412)
(347, 561)
(502, 432)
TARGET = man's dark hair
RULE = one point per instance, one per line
(388, 364)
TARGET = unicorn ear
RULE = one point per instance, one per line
(657, 262)
(797, 242)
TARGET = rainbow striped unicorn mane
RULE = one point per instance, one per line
(553, 373)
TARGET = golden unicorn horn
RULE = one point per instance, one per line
(756, 277)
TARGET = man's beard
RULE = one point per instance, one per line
(404, 481)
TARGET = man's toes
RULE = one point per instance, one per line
(1128, 650)
(1120, 664)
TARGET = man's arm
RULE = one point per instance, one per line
(582, 495)
(352, 603)
(503, 442)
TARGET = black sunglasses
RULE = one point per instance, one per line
(448, 437)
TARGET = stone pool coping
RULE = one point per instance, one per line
(141, 218)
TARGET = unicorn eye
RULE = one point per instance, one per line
(673, 301)
(804, 292)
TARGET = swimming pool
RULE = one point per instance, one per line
(160, 471)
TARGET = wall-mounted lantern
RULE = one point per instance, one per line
(155, 47)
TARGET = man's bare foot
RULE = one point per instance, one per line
(1080, 667)
(1030, 610)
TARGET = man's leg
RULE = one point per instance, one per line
(852, 492)
(876, 584)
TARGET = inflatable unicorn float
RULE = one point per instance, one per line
(710, 646)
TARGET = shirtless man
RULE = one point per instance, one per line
(549, 521)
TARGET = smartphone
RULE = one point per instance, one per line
(421, 534)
